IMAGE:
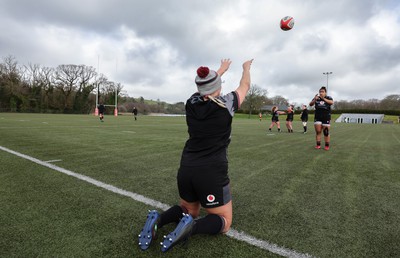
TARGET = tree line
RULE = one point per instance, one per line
(70, 88)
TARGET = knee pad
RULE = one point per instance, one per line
(326, 131)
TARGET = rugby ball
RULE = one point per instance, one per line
(287, 23)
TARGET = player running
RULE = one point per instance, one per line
(322, 118)
(203, 174)
(102, 109)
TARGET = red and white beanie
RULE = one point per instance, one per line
(207, 81)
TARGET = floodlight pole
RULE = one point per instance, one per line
(96, 109)
(327, 75)
(116, 92)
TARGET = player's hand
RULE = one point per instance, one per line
(225, 63)
(247, 64)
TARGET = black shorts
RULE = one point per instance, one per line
(207, 184)
(322, 118)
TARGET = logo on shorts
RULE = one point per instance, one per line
(210, 198)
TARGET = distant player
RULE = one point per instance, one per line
(102, 109)
(275, 118)
(134, 112)
(304, 118)
(322, 118)
(289, 119)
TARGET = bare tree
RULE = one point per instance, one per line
(280, 101)
(67, 79)
(391, 102)
(256, 97)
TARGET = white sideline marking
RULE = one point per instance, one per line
(53, 160)
(241, 236)
(128, 132)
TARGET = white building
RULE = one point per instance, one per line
(360, 118)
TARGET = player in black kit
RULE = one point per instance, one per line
(203, 174)
(275, 118)
(304, 118)
(102, 108)
(289, 119)
(322, 118)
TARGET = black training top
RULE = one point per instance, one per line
(290, 116)
(321, 107)
(275, 116)
(102, 108)
(209, 128)
(304, 115)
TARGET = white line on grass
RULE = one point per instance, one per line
(128, 132)
(241, 236)
(53, 160)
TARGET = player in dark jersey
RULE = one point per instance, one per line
(322, 118)
(275, 118)
(304, 118)
(134, 112)
(102, 108)
(203, 174)
(289, 119)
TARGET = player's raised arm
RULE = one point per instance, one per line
(225, 63)
(244, 85)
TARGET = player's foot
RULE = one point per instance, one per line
(326, 148)
(149, 230)
(269, 129)
(181, 233)
(318, 147)
(304, 132)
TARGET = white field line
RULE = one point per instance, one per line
(53, 160)
(241, 236)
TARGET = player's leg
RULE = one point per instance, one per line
(225, 214)
(327, 137)
(318, 131)
(291, 126)
(218, 220)
(271, 126)
(304, 126)
(211, 185)
(193, 208)
(279, 125)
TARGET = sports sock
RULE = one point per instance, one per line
(327, 144)
(305, 128)
(211, 224)
(173, 214)
(319, 143)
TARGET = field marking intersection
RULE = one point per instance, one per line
(238, 235)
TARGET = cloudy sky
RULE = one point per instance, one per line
(153, 47)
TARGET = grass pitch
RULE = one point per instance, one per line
(338, 203)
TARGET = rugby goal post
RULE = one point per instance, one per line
(96, 110)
